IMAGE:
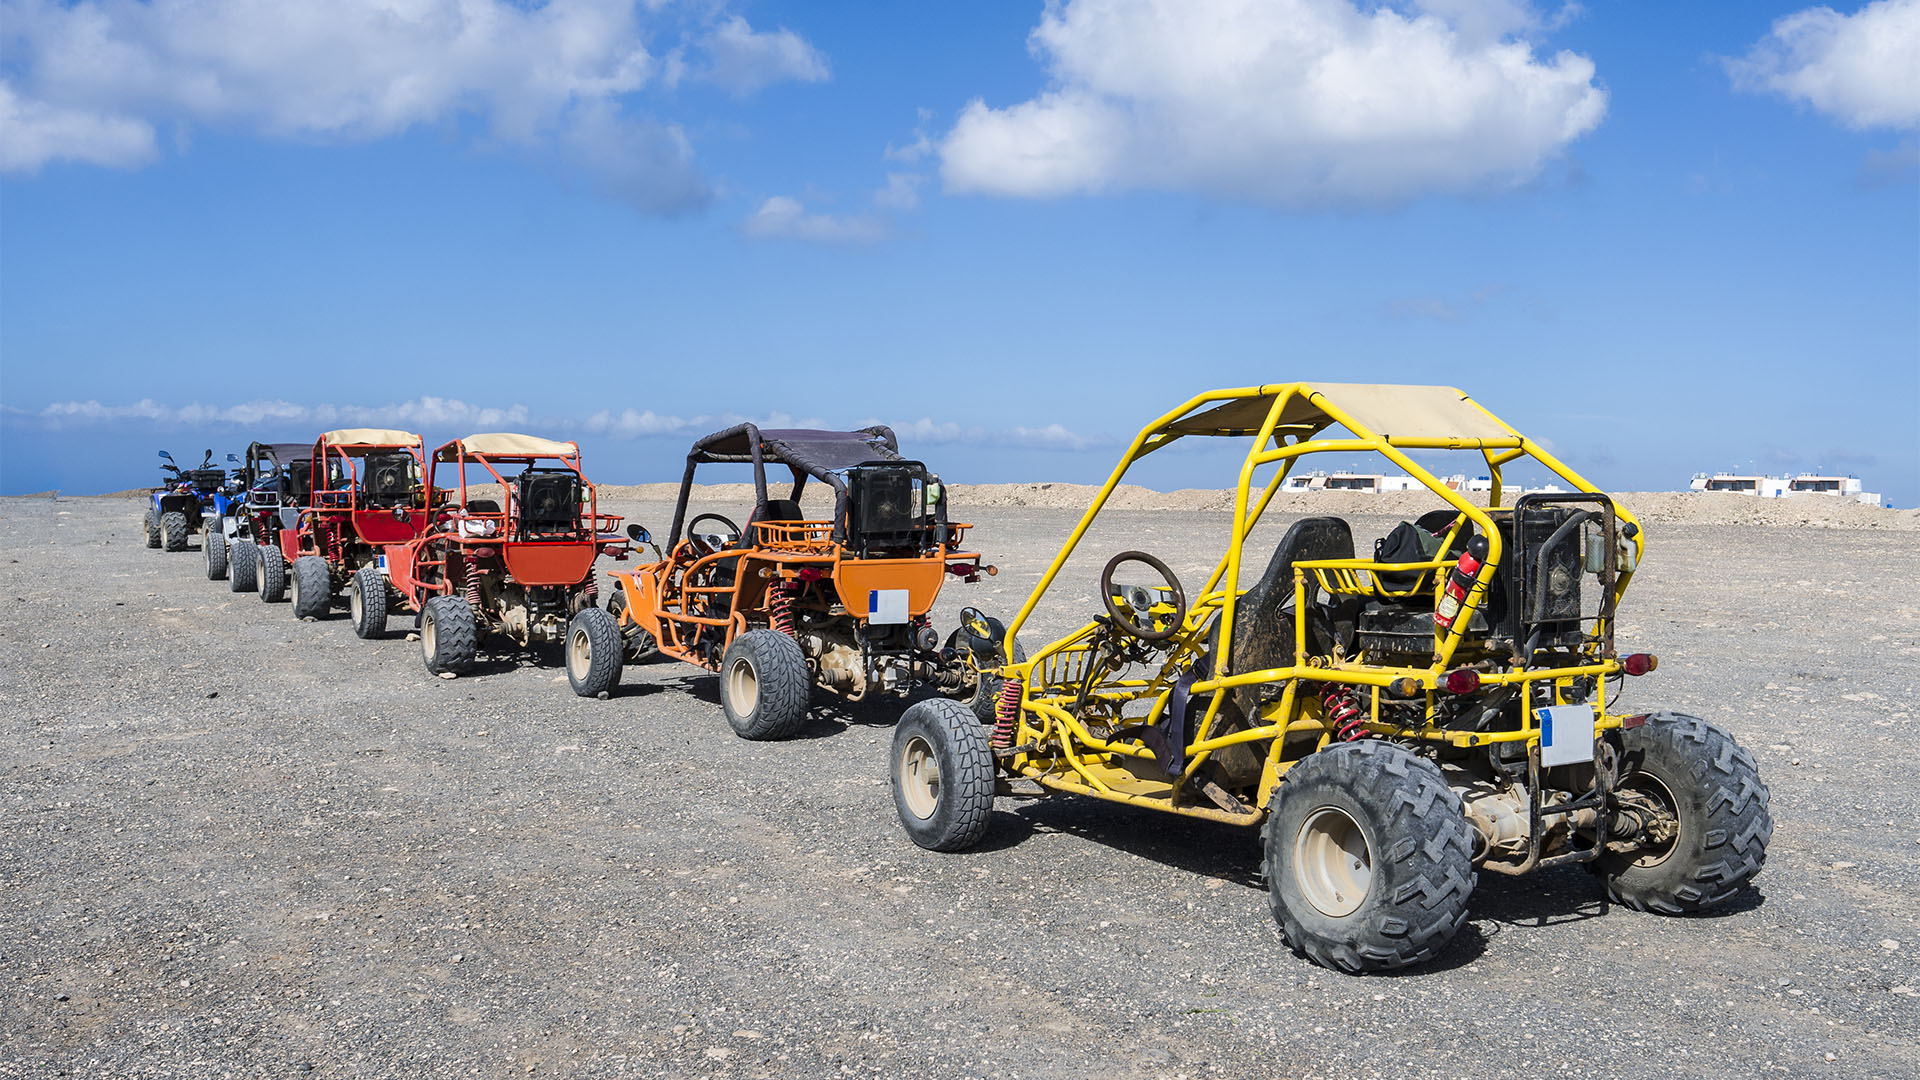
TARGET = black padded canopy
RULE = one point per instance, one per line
(805, 452)
(280, 452)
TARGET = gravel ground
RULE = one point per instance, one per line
(239, 845)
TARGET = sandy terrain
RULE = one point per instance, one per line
(239, 845)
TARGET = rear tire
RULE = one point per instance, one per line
(639, 645)
(1712, 786)
(448, 640)
(273, 573)
(173, 530)
(215, 544)
(985, 699)
(594, 652)
(1370, 858)
(764, 685)
(240, 567)
(367, 600)
(943, 775)
(152, 524)
(312, 587)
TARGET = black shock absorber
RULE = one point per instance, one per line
(473, 577)
(1343, 711)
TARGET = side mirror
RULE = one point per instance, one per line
(986, 632)
(233, 458)
(166, 455)
(639, 535)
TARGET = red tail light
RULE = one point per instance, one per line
(1464, 681)
(1639, 663)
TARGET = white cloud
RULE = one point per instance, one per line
(742, 60)
(945, 432)
(901, 193)
(632, 424)
(785, 218)
(421, 412)
(91, 81)
(1285, 102)
(1861, 69)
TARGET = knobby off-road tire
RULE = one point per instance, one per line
(312, 588)
(273, 573)
(448, 638)
(173, 530)
(639, 645)
(943, 775)
(241, 561)
(152, 524)
(1370, 858)
(1713, 788)
(367, 601)
(595, 652)
(764, 685)
(215, 543)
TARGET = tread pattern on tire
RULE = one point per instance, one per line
(456, 639)
(785, 685)
(313, 587)
(152, 524)
(1735, 803)
(967, 775)
(242, 559)
(1427, 908)
(273, 573)
(215, 543)
(173, 530)
(609, 650)
(370, 587)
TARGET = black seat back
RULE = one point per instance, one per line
(386, 479)
(779, 510)
(549, 503)
(1262, 631)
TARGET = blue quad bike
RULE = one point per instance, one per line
(181, 506)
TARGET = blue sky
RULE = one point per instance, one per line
(1666, 238)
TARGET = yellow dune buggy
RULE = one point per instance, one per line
(1393, 724)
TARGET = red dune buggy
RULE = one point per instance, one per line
(366, 494)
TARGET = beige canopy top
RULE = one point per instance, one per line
(507, 444)
(366, 436)
(1390, 412)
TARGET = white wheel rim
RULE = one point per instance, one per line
(358, 607)
(293, 592)
(743, 687)
(920, 778)
(427, 634)
(1332, 863)
(580, 652)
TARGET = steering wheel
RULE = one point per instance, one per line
(693, 531)
(1138, 602)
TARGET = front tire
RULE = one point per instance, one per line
(448, 639)
(312, 587)
(1369, 857)
(242, 560)
(152, 524)
(273, 573)
(216, 545)
(173, 530)
(594, 652)
(1711, 787)
(367, 600)
(764, 685)
(943, 775)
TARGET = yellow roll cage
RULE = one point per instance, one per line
(1285, 422)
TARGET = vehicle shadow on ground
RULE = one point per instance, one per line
(827, 715)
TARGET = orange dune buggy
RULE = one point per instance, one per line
(366, 494)
(787, 604)
(519, 565)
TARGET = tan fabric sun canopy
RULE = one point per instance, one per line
(1391, 412)
(507, 444)
(366, 436)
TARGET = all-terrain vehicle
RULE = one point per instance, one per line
(177, 508)
(1393, 724)
(787, 604)
(270, 484)
(366, 494)
(510, 554)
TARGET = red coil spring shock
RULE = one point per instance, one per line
(335, 543)
(1007, 716)
(473, 578)
(1343, 709)
(590, 592)
(780, 606)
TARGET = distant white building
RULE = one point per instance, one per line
(1780, 487)
(1375, 483)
